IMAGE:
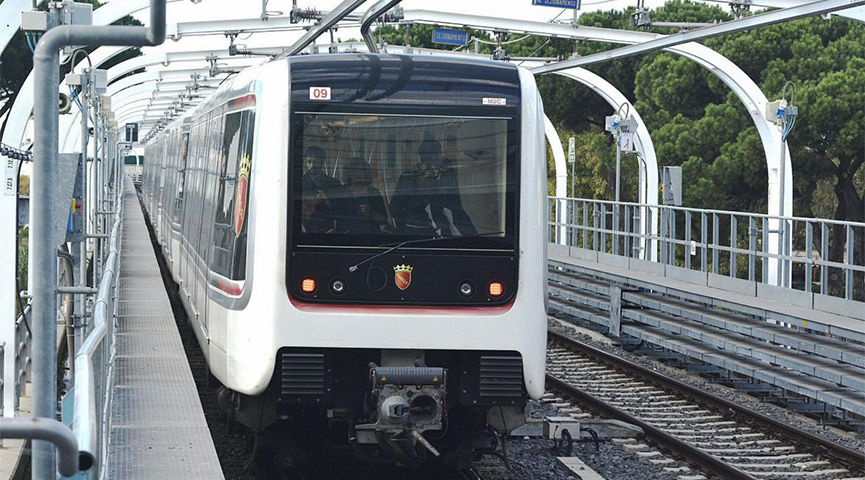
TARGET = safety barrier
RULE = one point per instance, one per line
(21, 349)
(822, 257)
(93, 362)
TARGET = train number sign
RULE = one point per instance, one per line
(319, 93)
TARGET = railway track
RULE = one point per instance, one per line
(721, 437)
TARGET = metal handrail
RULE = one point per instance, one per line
(714, 246)
(49, 430)
(84, 419)
(717, 212)
(722, 237)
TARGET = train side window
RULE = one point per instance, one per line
(232, 195)
(208, 172)
(181, 176)
(189, 182)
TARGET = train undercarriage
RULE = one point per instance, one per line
(387, 407)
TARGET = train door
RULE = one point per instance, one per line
(177, 214)
(189, 205)
(210, 167)
(194, 267)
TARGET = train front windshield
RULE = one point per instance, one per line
(375, 179)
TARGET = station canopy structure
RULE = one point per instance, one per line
(163, 82)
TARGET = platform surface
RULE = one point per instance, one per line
(158, 428)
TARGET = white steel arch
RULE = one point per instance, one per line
(647, 160)
(10, 16)
(73, 134)
(146, 81)
(23, 106)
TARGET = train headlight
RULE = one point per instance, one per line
(467, 289)
(337, 286)
(496, 289)
(307, 285)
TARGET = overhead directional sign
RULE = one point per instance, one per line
(132, 132)
(572, 4)
(450, 37)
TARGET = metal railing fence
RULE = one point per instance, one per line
(23, 361)
(806, 254)
(93, 362)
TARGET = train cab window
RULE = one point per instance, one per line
(371, 179)
(228, 257)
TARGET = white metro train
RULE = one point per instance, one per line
(359, 244)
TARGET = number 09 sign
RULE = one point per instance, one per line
(319, 93)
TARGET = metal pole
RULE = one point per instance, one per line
(46, 66)
(782, 223)
(369, 18)
(82, 247)
(618, 169)
(43, 264)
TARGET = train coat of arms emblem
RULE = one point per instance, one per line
(241, 194)
(402, 276)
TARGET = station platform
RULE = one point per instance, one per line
(158, 429)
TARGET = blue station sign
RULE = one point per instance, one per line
(450, 37)
(572, 4)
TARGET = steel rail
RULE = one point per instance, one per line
(691, 453)
(802, 437)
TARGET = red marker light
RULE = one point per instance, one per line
(307, 285)
(496, 289)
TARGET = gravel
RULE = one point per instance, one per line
(851, 440)
(535, 459)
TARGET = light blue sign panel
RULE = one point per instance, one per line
(572, 4)
(450, 37)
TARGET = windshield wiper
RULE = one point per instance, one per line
(353, 268)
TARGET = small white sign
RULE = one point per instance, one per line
(626, 142)
(501, 102)
(11, 174)
(572, 150)
(319, 93)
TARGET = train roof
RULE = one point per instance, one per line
(405, 79)
(395, 79)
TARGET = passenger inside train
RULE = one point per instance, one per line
(363, 176)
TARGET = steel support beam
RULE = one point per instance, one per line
(748, 23)
(857, 13)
